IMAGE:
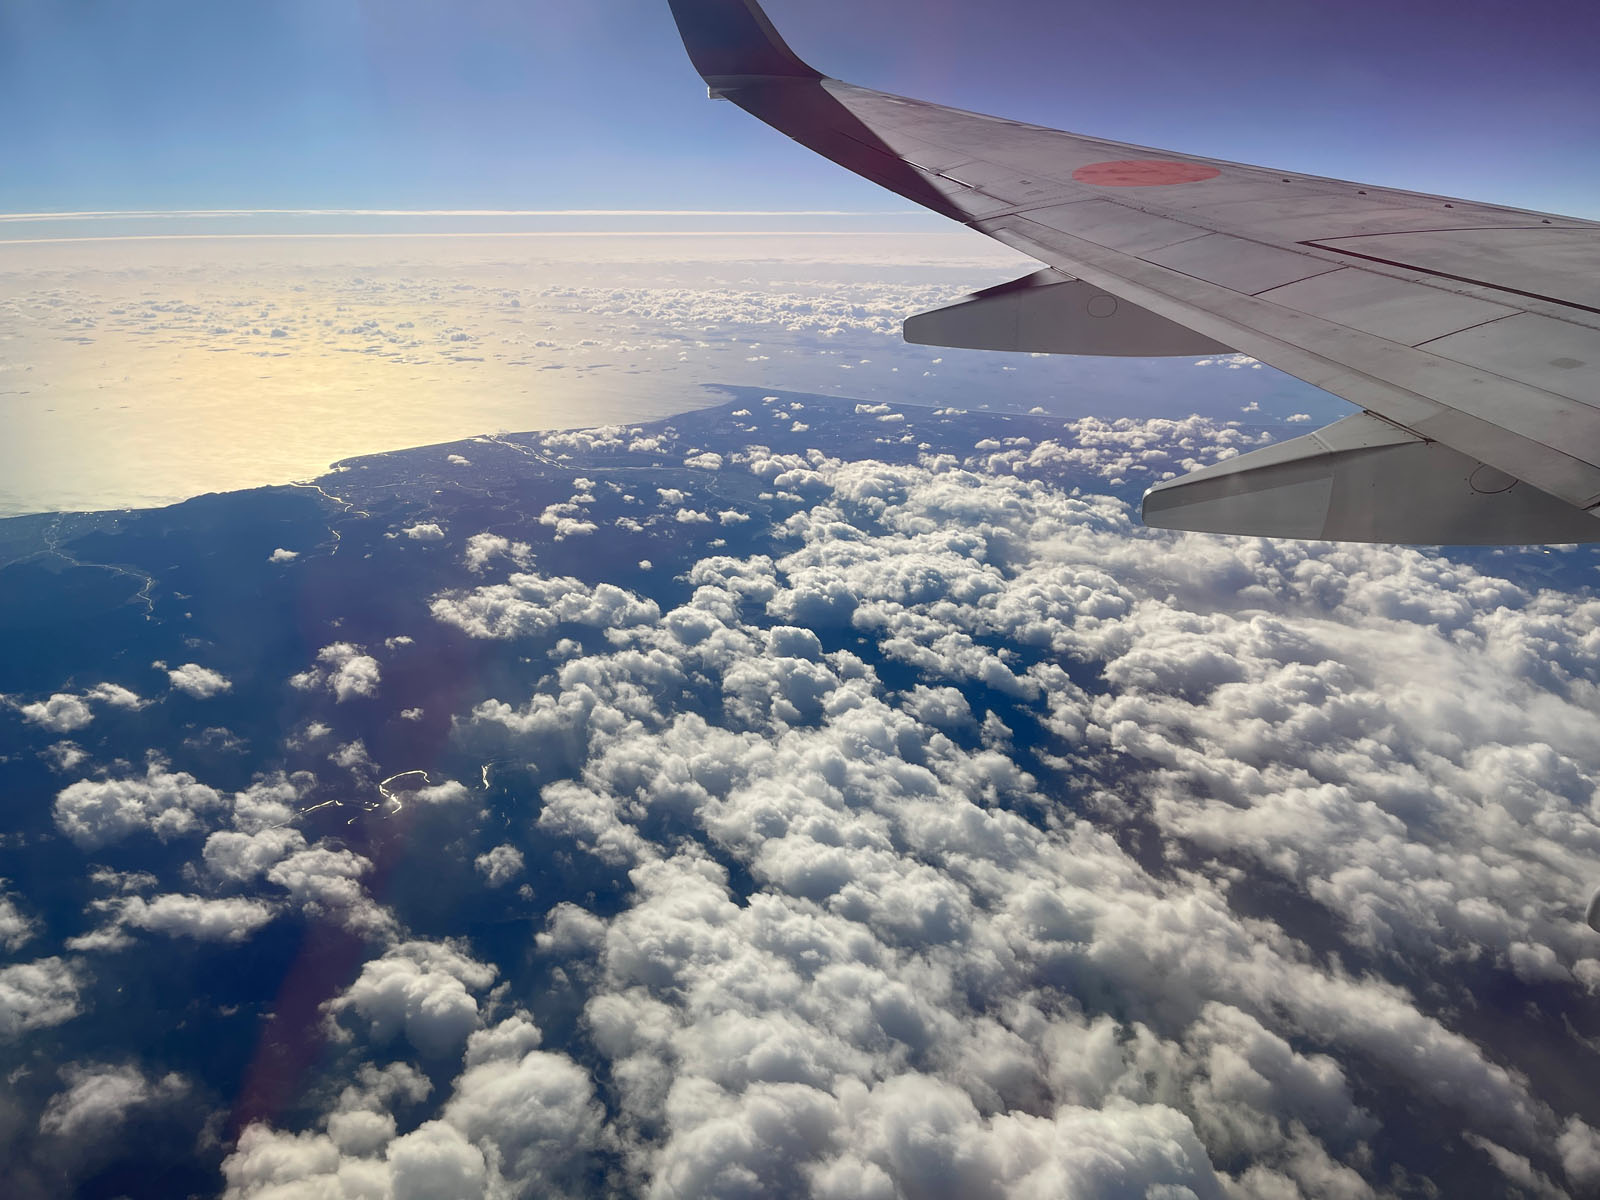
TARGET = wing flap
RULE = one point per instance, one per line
(1363, 480)
(1049, 313)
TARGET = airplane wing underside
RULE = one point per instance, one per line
(1468, 333)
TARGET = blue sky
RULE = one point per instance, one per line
(495, 103)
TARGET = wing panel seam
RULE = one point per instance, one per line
(1483, 283)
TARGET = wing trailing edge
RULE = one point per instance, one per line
(1364, 480)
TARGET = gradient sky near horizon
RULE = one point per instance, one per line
(175, 104)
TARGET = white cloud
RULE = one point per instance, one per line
(325, 883)
(65, 756)
(879, 952)
(268, 802)
(429, 531)
(38, 995)
(448, 793)
(350, 672)
(240, 857)
(902, 961)
(500, 865)
(116, 696)
(528, 605)
(434, 1162)
(99, 1099)
(61, 713)
(1579, 1146)
(16, 928)
(170, 804)
(229, 919)
(199, 682)
(344, 669)
(422, 990)
(280, 555)
(484, 548)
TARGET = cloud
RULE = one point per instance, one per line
(344, 669)
(280, 555)
(199, 682)
(116, 696)
(98, 1099)
(500, 865)
(536, 1118)
(240, 857)
(977, 841)
(61, 713)
(422, 990)
(16, 928)
(230, 919)
(528, 605)
(484, 548)
(519, 1122)
(446, 794)
(923, 942)
(94, 813)
(324, 882)
(429, 531)
(39, 995)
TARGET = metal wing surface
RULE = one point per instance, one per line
(1469, 334)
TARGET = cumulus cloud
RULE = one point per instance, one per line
(98, 1099)
(883, 1008)
(16, 928)
(95, 812)
(228, 919)
(61, 713)
(500, 865)
(325, 883)
(484, 548)
(428, 531)
(64, 712)
(344, 669)
(199, 682)
(38, 995)
(422, 990)
(976, 841)
(529, 605)
(240, 857)
(116, 696)
(280, 555)
(519, 1122)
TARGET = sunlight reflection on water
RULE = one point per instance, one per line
(141, 372)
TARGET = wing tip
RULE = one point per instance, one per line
(732, 40)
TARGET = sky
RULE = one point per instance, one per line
(171, 104)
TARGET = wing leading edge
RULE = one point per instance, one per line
(1470, 337)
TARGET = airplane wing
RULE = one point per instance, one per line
(1468, 334)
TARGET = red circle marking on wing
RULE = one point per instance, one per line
(1143, 172)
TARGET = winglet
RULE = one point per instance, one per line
(731, 43)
